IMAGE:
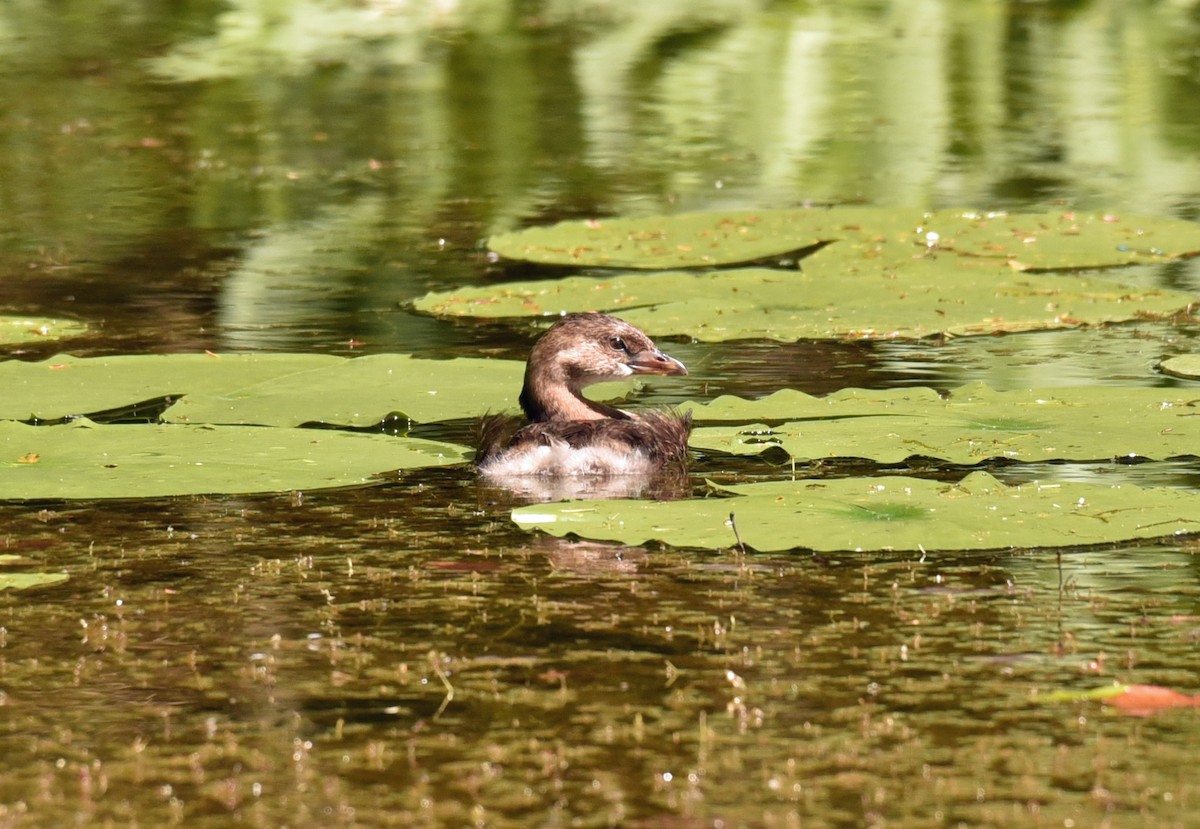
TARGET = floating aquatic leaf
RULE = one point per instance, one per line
(1042, 241)
(695, 240)
(262, 389)
(85, 460)
(790, 404)
(26, 329)
(24, 581)
(947, 296)
(1185, 365)
(886, 513)
(362, 391)
(971, 424)
(884, 273)
(66, 385)
(1056, 241)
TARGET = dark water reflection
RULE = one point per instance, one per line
(236, 177)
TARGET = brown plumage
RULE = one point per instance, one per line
(568, 434)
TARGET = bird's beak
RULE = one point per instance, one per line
(655, 362)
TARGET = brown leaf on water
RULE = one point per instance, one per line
(1144, 700)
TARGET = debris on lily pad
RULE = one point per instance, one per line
(882, 513)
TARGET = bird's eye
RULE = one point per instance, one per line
(618, 344)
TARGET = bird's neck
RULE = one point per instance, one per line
(546, 397)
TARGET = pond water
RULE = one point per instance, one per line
(253, 176)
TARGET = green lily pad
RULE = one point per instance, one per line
(25, 581)
(66, 385)
(920, 299)
(27, 330)
(862, 514)
(790, 404)
(82, 459)
(971, 424)
(362, 391)
(882, 274)
(1039, 241)
(262, 389)
(1054, 241)
(693, 240)
(1185, 365)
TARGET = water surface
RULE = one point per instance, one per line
(247, 177)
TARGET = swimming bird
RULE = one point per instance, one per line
(569, 435)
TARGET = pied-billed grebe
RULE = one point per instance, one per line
(568, 434)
